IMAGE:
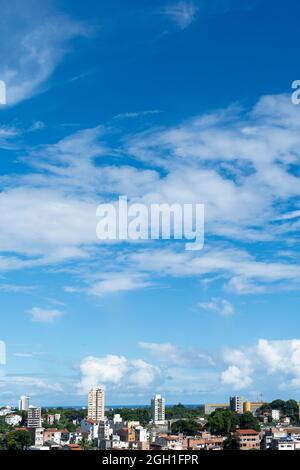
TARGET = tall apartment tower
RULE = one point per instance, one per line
(96, 399)
(236, 404)
(23, 403)
(158, 409)
(34, 417)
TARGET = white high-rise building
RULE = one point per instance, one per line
(158, 409)
(23, 403)
(236, 404)
(34, 417)
(96, 398)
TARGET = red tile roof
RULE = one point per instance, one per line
(242, 432)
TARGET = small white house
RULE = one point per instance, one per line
(12, 419)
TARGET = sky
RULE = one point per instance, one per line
(165, 102)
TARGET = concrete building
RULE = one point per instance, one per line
(13, 419)
(23, 403)
(51, 419)
(141, 434)
(252, 406)
(34, 417)
(283, 443)
(37, 436)
(236, 404)
(158, 409)
(96, 399)
(105, 431)
(206, 442)
(168, 442)
(211, 407)
(90, 427)
(247, 439)
(275, 415)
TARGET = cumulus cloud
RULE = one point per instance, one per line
(42, 315)
(279, 359)
(117, 372)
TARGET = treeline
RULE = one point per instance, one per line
(226, 421)
(143, 414)
(288, 408)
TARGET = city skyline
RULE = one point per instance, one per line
(186, 102)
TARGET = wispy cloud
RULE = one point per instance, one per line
(33, 46)
(182, 13)
(42, 315)
(221, 306)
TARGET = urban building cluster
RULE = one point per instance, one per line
(97, 431)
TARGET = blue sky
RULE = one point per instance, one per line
(169, 101)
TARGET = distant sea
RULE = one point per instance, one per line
(109, 407)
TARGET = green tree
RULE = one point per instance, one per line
(230, 443)
(188, 427)
(248, 421)
(4, 427)
(222, 422)
(85, 444)
(17, 440)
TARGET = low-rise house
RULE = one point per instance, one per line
(168, 442)
(13, 419)
(271, 434)
(37, 436)
(56, 435)
(90, 427)
(206, 443)
(126, 434)
(72, 447)
(52, 418)
(76, 436)
(247, 439)
(283, 443)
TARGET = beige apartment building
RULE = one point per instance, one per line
(96, 399)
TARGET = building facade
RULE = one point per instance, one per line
(236, 404)
(209, 408)
(247, 439)
(34, 417)
(158, 408)
(96, 400)
(252, 406)
(23, 403)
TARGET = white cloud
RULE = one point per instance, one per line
(177, 356)
(116, 284)
(221, 306)
(42, 315)
(236, 377)
(182, 13)
(117, 372)
(279, 359)
(223, 160)
(34, 45)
